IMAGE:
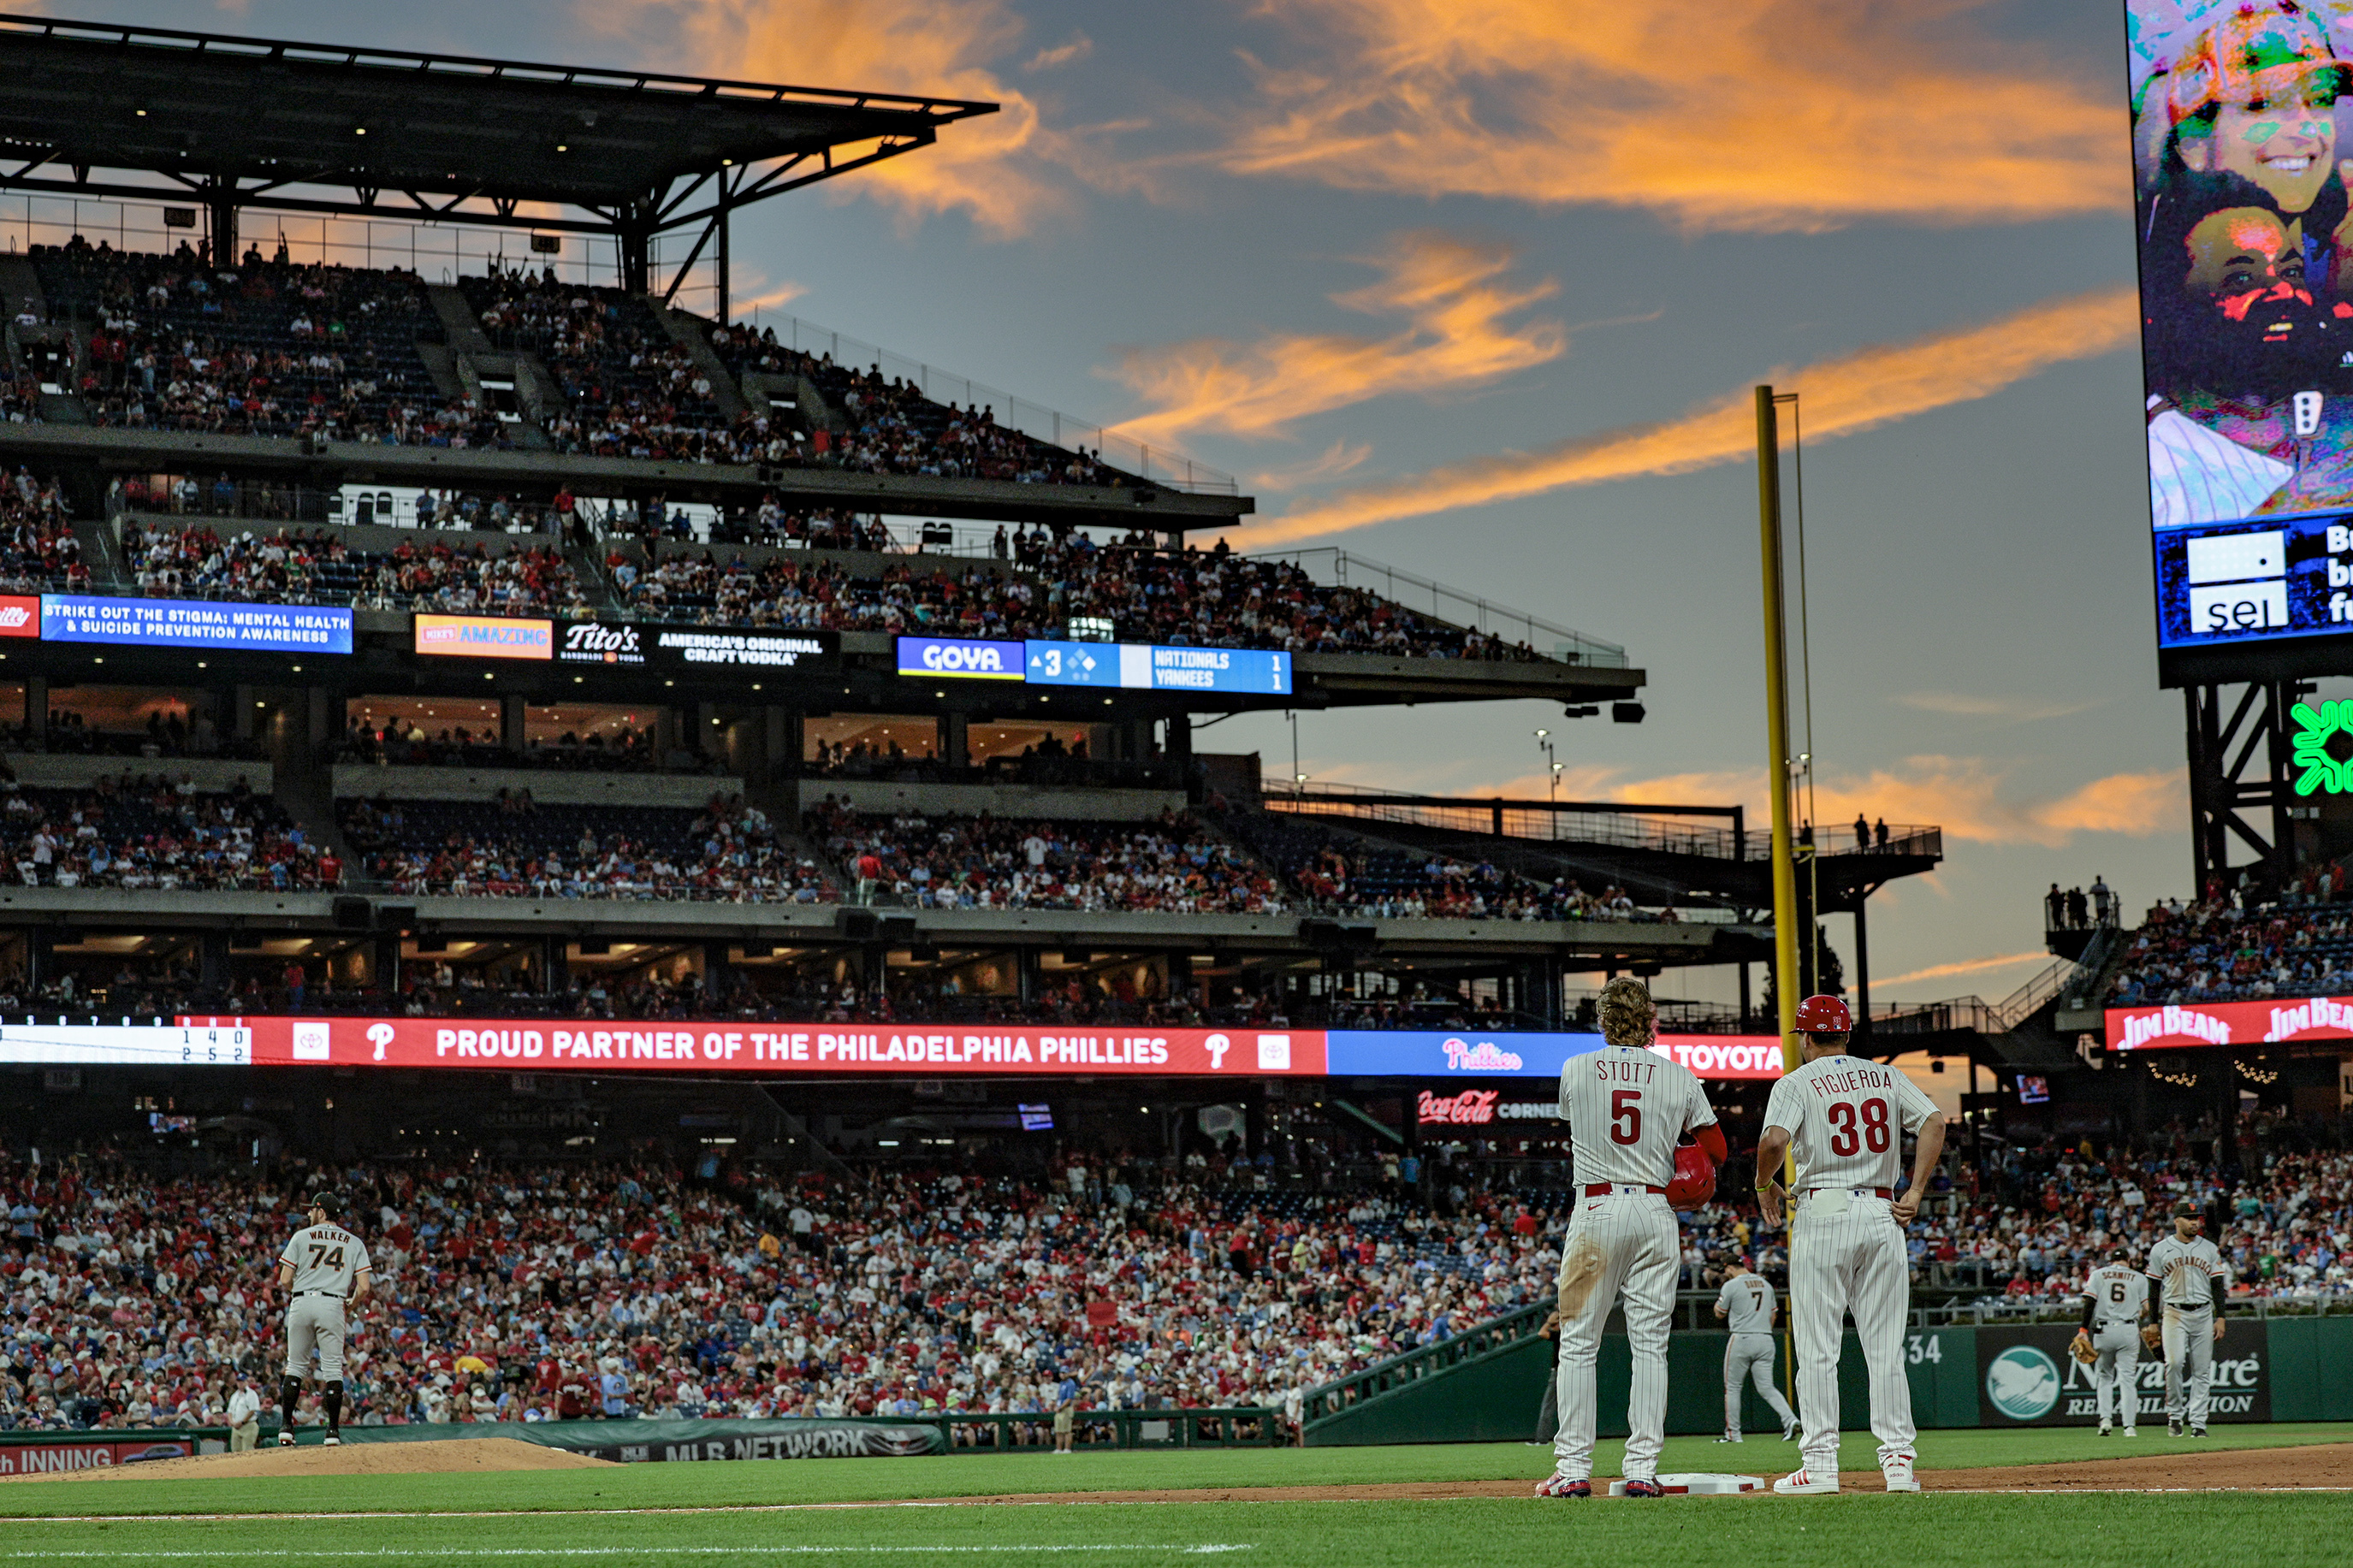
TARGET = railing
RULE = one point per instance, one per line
(1339, 569)
(975, 1432)
(1159, 464)
(1974, 1011)
(1497, 1333)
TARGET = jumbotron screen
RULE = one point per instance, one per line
(2240, 113)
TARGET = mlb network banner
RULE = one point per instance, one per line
(775, 1048)
(1119, 666)
(193, 623)
(2179, 1026)
(1407, 1054)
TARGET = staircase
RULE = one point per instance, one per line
(692, 333)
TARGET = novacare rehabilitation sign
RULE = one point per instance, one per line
(195, 623)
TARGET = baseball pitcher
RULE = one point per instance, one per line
(1845, 1118)
(2115, 1297)
(1626, 1106)
(1746, 1305)
(2189, 1288)
(325, 1270)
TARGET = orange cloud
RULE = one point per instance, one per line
(1754, 114)
(1969, 966)
(2121, 802)
(1452, 295)
(1842, 397)
(984, 167)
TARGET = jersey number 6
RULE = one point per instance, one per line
(1843, 1140)
(1626, 1116)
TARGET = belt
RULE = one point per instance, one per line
(329, 1295)
(1888, 1193)
(1603, 1189)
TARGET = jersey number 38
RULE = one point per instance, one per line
(1843, 1138)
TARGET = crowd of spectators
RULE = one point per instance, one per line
(2230, 947)
(1172, 864)
(508, 1293)
(319, 566)
(395, 741)
(147, 831)
(262, 348)
(173, 733)
(513, 847)
(1338, 870)
(38, 551)
(629, 389)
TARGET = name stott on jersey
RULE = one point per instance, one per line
(2117, 1293)
(1844, 1116)
(2188, 1270)
(325, 1258)
(1625, 1108)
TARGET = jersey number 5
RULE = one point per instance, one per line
(1626, 1116)
(1843, 1138)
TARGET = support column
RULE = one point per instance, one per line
(1862, 971)
(223, 212)
(40, 956)
(955, 741)
(241, 711)
(718, 972)
(36, 704)
(726, 294)
(554, 969)
(1745, 1004)
(512, 720)
(786, 737)
(386, 966)
(1177, 737)
(706, 729)
(212, 963)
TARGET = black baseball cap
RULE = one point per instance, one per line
(2187, 1208)
(329, 1204)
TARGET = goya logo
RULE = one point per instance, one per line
(962, 658)
(2023, 1384)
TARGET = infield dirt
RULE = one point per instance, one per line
(469, 1456)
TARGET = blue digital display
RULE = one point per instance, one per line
(1225, 671)
(2254, 581)
(195, 623)
(959, 658)
(1401, 1053)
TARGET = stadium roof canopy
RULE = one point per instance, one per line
(152, 114)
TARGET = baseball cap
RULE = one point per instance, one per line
(330, 1204)
(2263, 49)
(2186, 1209)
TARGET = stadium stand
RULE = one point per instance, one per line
(316, 566)
(145, 831)
(2227, 950)
(1338, 870)
(38, 551)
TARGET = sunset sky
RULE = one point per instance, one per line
(1476, 288)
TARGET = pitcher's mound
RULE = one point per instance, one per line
(461, 1456)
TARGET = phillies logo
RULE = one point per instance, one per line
(1482, 1058)
(20, 616)
(1472, 1107)
(380, 1036)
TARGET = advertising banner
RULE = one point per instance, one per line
(99, 1045)
(53, 1459)
(2026, 1378)
(2180, 1026)
(674, 1442)
(20, 616)
(1406, 1053)
(195, 623)
(1158, 668)
(695, 650)
(771, 1048)
(485, 637)
(959, 658)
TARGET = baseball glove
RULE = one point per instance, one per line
(2080, 1347)
(2153, 1337)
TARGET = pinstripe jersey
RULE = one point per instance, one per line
(2118, 1293)
(1626, 1106)
(1842, 1113)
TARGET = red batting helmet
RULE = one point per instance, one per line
(1824, 1015)
(1694, 1180)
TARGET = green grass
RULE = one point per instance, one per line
(1924, 1532)
(2080, 1531)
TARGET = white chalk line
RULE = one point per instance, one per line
(441, 1551)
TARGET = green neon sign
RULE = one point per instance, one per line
(2321, 771)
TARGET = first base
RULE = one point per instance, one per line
(1699, 1483)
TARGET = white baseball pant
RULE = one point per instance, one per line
(1621, 1243)
(1746, 1356)
(1845, 1255)
(2116, 1371)
(315, 1323)
(2189, 1340)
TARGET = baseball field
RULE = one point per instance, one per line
(2275, 1494)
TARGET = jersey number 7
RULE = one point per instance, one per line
(1843, 1140)
(1626, 1116)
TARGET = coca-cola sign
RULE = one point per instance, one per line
(1472, 1107)
(20, 616)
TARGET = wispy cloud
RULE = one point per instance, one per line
(2017, 710)
(1461, 331)
(1853, 393)
(1757, 114)
(1968, 966)
(1078, 48)
(1342, 457)
(988, 168)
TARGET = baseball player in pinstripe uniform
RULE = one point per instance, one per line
(323, 1269)
(1626, 1106)
(1845, 1118)
(2189, 1287)
(2115, 1297)
(1746, 1305)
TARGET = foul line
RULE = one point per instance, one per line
(625, 1552)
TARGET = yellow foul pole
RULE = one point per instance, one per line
(1777, 727)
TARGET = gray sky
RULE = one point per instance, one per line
(1457, 287)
